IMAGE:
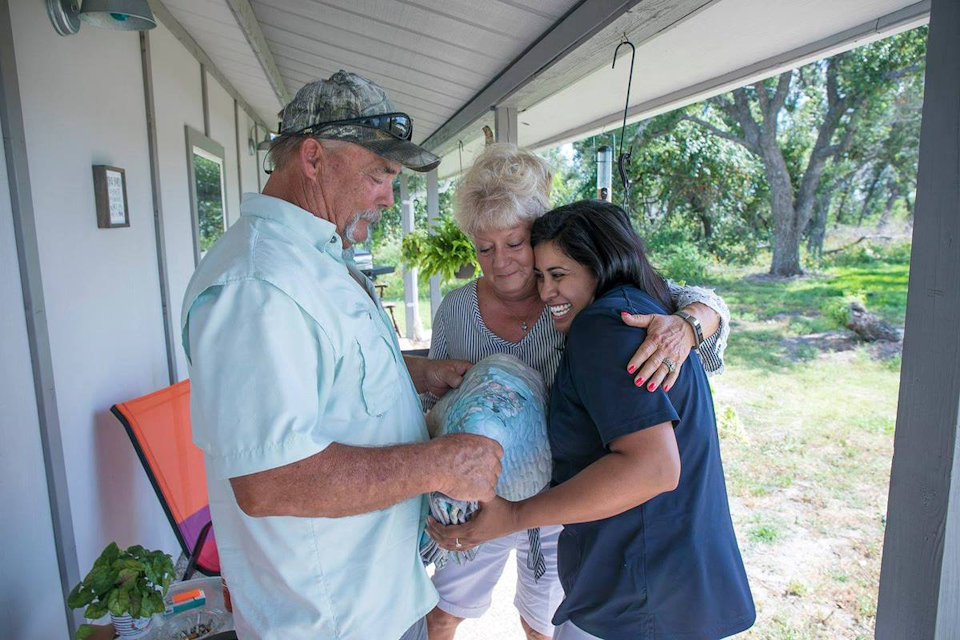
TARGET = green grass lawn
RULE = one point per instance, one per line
(400, 313)
(807, 439)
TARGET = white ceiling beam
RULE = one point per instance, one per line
(572, 30)
(248, 23)
(505, 128)
(900, 20)
(181, 34)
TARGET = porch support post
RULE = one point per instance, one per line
(433, 213)
(505, 123)
(34, 306)
(920, 572)
(410, 294)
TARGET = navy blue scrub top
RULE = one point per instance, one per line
(669, 568)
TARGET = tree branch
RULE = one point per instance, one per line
(762, 96)
(740, 110)
(780, 96)
(717, 131)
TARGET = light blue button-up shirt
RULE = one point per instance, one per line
(289, 353)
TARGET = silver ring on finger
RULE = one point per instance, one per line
(457, 543)
(669, 364)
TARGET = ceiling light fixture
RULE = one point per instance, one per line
(123, 15)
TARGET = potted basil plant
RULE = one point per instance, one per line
(129, 584)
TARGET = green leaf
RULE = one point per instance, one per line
(128, 563)
(96, 610)
(103, 579)
(135, 602)
(152, 603)
(85, 631)
(79, 597)
(127, 579)
(110, 553)
(113, 603)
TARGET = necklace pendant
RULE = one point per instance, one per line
(523, 325)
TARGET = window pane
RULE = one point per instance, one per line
(208, 173)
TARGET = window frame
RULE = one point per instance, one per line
(213, 151)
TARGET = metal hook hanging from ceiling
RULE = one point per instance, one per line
(624, 158)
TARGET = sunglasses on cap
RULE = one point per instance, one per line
(399, 125)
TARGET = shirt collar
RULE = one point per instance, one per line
(319, 232)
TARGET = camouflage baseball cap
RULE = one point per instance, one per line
(349, 107)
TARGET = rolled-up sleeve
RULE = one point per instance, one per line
(261, 373)
(712, 349)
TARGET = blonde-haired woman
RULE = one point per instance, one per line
(501, 312)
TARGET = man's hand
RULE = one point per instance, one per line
(468, 464)
(668, 338)
(436, 376)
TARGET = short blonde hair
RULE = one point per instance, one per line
(506, 186)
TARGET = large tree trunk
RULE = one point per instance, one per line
(888, 208)
(786, 250)
(703, 213)
(786, 231)
(817, 230)
(707, 227)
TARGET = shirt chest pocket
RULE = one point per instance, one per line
(379, 378)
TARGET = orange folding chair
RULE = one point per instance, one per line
(159, 428)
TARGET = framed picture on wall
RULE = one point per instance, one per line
(110, 191)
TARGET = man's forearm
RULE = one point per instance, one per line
(343, 481)
(415, 366)
(339, 481)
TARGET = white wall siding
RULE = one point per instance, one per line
(83, 105)
(249, 163)
(176, 90)
(27, 609)
(223, 131)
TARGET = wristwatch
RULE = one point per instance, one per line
(693, 322)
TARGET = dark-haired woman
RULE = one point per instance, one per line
(648, 548)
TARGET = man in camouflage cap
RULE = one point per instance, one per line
(316, 450)
(333, 109)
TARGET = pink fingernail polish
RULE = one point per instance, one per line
(638, 382)
(666, 388)
(631, 369)
(651, 387)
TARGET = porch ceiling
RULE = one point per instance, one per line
(448, 62)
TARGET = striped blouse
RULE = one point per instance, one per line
(459, 332)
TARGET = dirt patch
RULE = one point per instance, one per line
(886, 350)
(769, 278)
(799, 347)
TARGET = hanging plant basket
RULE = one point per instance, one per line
(466, 271)
(441, 250)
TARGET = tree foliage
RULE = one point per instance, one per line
(209, 191)
(799, 121)
(769, 164)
